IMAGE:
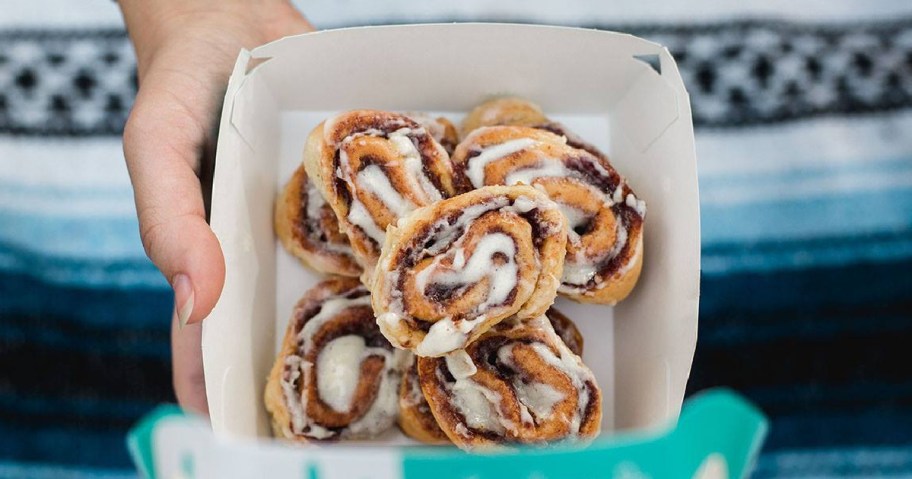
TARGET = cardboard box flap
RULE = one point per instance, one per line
(469, 75)
(652, 93)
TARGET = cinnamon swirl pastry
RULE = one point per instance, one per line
(415, 417)
(440, 129)
(335, 376)
(503, 111)
(566, 330)
(518, 112)
(308, 228)
(450, 271)
(374, 167)
(605, 218)
(517, 384)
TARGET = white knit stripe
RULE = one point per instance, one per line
(821, 144)
(330, 13)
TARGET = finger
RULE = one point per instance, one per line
(162, 143)
(187, 364)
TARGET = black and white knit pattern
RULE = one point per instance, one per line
(738, 74)
(761, 72)
(73, 83)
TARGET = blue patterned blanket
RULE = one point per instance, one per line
(804, 138)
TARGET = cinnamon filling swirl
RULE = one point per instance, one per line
(374, 168)
(604, 245)
(451, 271)
(337, 376)
(308, 228)
(415, 416)
(517, 384)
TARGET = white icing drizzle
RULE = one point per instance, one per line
(373, 179)
(477, 164)
(580, 270)
(570, 364)
(547, 169)
(462, 430)
(338, 371)
(539, 398)
(481, 264)
(638, 205)
(460, 364)
(383, 412)
(578, 273)
(434, 128)
(360, 217)
(575, 217)
(315, 203)
(328, 310)
(618, 195)
(315, 200)
(447, 334)
(411, 159)
(414, 396)
(524, 204)
(294, 366)
(478, 405)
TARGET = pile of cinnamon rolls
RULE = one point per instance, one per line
(445, 250)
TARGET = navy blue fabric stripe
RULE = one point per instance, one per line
(62, 445)
(810, 243)
(863, 285)
(9, 470)
(33, 369)
(65, 335)
(95, 409)
(873, 461)
(824, 351)
(80, 365)
(869, 427)
(874, 366)
(21, 294)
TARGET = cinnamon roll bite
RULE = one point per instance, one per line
(415, 417)
(512, 111)
(336, 376)
(374, 167)
(503, 111)
(517, 384)
(566, 330)
(441, 129)
(604, 252)
(450, 271)
(308, 228)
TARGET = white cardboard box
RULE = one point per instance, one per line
(601, 84)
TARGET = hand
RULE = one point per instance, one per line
(185, 52)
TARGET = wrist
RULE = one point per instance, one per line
(151, 24)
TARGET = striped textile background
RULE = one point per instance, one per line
(804, 138)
